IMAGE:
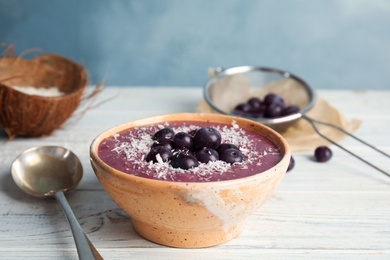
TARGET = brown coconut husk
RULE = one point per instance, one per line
(28, 115)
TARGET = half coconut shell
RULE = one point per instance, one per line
(29, 115)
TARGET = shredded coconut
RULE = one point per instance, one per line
(44, 92)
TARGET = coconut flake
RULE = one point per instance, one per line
(159, 159)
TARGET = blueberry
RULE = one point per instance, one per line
(291, 164)
(243, 107)
(207, 137)
(273, 111)
(168, 143)
(192, 132)
(241, 113)
(184, 161)
(273, 106)
(231, 156)
(254, 102)
(163, 151)
(183, 140)
(225, 146)
(258, 111)
(252, 108)
(206, 155)
(272, 98)
(322, 154)
(165, 133)
(290, 110)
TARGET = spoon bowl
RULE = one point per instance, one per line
(49, 171)
(40, 170)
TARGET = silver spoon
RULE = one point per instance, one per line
(49, 171)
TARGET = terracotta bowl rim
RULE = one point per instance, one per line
(94, 158)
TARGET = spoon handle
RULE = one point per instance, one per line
(85, 249)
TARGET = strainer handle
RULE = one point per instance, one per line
(314, 123)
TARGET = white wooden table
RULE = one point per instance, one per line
(338, 210)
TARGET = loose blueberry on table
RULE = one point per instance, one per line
(272, 106)
(291, 164)
(322, 154)
(187, 150)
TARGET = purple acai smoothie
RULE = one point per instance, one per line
(126, 151)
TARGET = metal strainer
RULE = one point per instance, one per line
(229, 87)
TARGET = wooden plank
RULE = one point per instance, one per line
(336, 210)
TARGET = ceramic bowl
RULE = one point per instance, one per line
(232, 86)
(190, 214)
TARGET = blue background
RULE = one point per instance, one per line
(329, 43)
